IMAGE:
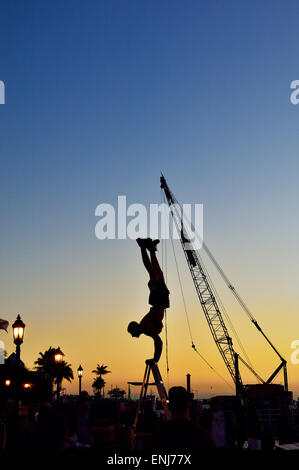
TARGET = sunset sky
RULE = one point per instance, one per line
(100, 97)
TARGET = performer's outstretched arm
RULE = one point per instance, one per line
(158, 347)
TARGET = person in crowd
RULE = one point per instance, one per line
(285, 428)
(196, 411)
(11, 423)
(254, 428)
(219, 424)
(84, 435)
(52, 428)
(146, 425)
(124, 433)
(180, 433)
(103, 417)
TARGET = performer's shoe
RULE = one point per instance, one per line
(142, 242)
(148, 243)
(153, 245)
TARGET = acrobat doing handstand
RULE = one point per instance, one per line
(151, 324)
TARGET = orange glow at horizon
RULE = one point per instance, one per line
(86, 308)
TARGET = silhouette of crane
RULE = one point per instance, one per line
(210, 305)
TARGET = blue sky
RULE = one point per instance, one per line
(102, 95)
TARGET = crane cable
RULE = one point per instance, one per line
(164, 269)
(238, 339)
(222, 273)
(188, 320)
(228, 283)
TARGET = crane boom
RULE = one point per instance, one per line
(209, 302)
(204, 290)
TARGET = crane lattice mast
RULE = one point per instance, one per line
(204, 290)
(209, 302)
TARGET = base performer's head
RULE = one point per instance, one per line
(134, 329)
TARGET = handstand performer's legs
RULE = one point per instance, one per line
(147, 263)
(151, 263)
(156, 266)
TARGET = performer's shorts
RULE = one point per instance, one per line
(159, 294)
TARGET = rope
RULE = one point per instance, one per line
(212, 368)
(166, 338)
(188, 321)
(182, 292)
(164, 269)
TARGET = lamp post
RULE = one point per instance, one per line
(58, 358)
(18, 334)
(80, 374)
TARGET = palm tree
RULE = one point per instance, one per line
(98, 384)
(46, 364)
(63, 370)
(99, 371)
(54, 371)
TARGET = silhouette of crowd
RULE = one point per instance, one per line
(108, 425)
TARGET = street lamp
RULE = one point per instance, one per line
(58, 358)
(80, 373)
(18, 334)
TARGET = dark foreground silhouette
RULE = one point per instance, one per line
(87, 424)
